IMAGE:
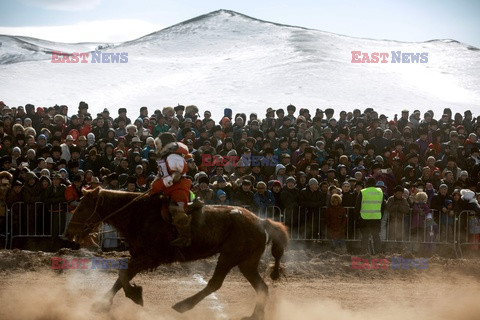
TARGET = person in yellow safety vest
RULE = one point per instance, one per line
(369, 209)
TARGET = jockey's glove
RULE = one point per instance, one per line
(168, 181)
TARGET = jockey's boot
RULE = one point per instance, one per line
(194, 205)
(182, 222)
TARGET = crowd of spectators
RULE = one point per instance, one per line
(285, 157)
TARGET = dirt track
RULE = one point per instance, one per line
(317, 286)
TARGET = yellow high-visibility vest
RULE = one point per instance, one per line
(372, 199)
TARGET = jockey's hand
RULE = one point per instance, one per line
(168, 181)
(176, 176)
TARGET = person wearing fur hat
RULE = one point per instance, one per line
(191, 112)
(122, 114)
(171, 181)
(291, 110)
(179, 112)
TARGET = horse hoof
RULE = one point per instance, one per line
(101, 306)
(135, 293)
(254, 317)
(181, 307)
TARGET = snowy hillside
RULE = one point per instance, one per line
(228, 59)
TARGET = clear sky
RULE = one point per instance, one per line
(121, 20)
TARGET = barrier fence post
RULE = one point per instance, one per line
(5, 226)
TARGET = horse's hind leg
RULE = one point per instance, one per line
(224, 265)
(250, 270)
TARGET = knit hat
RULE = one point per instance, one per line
(276, 183)
(290, 179)
(221, 193)
(278, 168)
(312, 181)
(443, 186)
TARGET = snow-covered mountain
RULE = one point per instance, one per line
(226, 59)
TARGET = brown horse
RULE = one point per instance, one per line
(239, 236)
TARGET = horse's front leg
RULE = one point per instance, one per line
(133, 292)
(105, 303)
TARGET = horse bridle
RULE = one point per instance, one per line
(91, 225)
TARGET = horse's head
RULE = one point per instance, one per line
(84, 218)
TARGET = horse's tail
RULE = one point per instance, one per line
(279, 236)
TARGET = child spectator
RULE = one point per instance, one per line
(420, 210)
(222, 197)
(336, 222)
(276, 191)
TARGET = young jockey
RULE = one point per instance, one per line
(171, 180)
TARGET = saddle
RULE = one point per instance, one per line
(191, 207)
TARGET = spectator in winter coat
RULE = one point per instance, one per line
(289, 195)
(243, 196)
(73, 193)
(276, 189)
(336, 219)
(280, 173)
(204, 192)
(311, 199)
(31, 189)
(438, 199)
(420, 212)
(221, 197)
(396, 209)
(263, 198)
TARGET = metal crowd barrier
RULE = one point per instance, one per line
(272, 212)
(309, 224)
(36, 220)
(468, 231)
(40, 220)
(4, 227)
(109, 237)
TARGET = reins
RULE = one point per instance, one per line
(89, 225)
(122, 208)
